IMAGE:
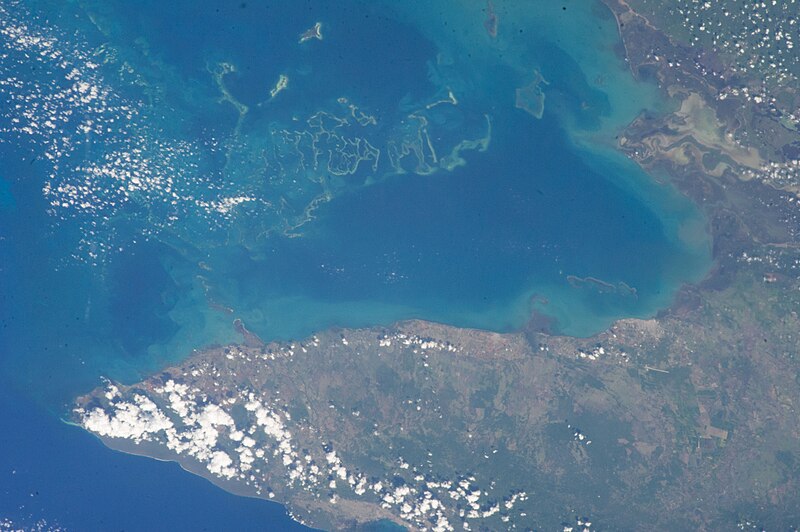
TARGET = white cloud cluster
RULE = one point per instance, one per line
(262, 444)
(103, 151)
(140, 419)
(136, 420)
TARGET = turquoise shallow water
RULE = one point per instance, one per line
(527, 204)
(473, 212)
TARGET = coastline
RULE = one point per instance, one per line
(728, 240)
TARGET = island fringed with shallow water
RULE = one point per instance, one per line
(312, 33)
(686, 421)
(530, 98)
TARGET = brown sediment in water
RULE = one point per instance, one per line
(491, 21)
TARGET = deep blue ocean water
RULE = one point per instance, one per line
(470, 246)
(64, 476)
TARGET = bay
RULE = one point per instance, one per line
(504, 213)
